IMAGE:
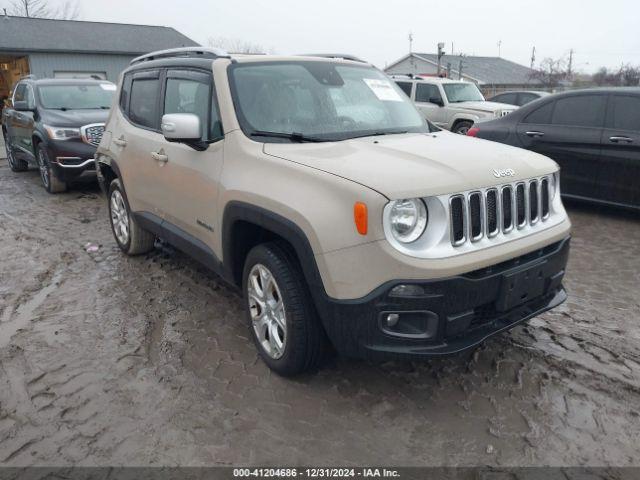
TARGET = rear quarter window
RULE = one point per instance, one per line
(541, 115)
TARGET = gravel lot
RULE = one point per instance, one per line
(109, 360)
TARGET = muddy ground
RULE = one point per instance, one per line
(109, 360)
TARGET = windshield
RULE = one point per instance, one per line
(462, 92)
(76, 97)
(319, 101)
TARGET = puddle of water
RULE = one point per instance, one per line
(11, 323)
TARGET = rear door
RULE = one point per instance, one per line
(569, 130)
(137, 136)
(619, 174)
(19, 123)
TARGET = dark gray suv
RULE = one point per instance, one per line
(56, 125)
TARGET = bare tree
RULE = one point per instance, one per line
(551, 72)
(626, 76)
(69, 10)
(236, 45)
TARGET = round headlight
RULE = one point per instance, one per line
(408, 219)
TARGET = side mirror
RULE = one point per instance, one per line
(437, 100)
(22, 106)
(181, 127)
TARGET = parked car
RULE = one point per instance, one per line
(315, 186)
(453, 105)
(594, 135)
(56, 125)
(518, 98)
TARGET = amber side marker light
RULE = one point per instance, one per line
(361, 217)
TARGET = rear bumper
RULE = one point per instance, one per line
(449, 315)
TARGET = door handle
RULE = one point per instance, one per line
(121, 142)
(620, 139)
(535, 134)
(160, 156)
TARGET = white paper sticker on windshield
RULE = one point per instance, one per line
(383, 89)
(108, 86)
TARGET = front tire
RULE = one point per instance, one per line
(130, 237)
(282, 318)
(14, 164)
(51, 183)
(462, 127)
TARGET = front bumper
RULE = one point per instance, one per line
(70, 158)
(450, 315)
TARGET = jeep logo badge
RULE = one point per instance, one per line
(503, 172)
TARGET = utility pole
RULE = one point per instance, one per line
(440, 55)
(570, 66)
(499, 48)
(410, 42)
(533, 57)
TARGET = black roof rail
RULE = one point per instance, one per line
(192, 52)
(31, 76)
(338, 56)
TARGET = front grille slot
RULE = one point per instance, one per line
(533, 202)
(457, 220)
(521, 209)
(497, 211)
(507, 209)
(92, 134)
(544, 193)
(491, 206)
(475, 213)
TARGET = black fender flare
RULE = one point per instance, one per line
(283, 227)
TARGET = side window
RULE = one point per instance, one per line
(541, 115)
(30, 97)
(425, 92)
(525, 98)
(125, 92)
(191, 92)
(624, 113)
(405, 87)
(579, 111)
(508, 98)
(20, 94)
(143, 106)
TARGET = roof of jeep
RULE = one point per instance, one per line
(404, 78)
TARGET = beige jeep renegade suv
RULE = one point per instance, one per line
(316, 187)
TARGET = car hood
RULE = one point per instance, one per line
(417, 165)
(484, 106)
(73, 118)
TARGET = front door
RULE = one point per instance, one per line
(190, 177)
(619, 174)
(430, 103)
(568, 130)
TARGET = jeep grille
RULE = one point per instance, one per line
(488, 212)
(92, 134)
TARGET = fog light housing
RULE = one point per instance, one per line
(410, 324)
(407, 290)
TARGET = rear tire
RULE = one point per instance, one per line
(462, 127)
(273, 270)
(130, 237)
(51, 183)
(14, 164)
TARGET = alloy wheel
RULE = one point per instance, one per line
(119, 217)
(44, 168)
(266, 307)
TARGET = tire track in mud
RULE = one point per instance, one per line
(152, 363)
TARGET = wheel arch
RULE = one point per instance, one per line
(245, 225)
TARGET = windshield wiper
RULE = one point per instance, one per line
(379, 134)
(293, 136)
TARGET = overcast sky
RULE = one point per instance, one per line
(601, 32)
